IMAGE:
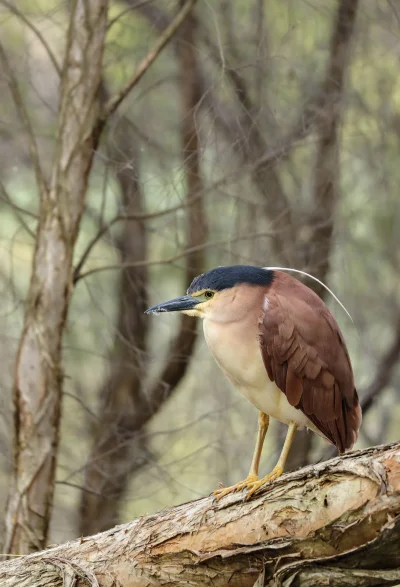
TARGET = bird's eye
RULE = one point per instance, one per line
(208, 294)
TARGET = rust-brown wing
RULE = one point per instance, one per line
(305, 354)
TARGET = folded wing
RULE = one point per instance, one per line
(304, 353)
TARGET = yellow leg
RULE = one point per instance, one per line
(278, 469)
(263, 423)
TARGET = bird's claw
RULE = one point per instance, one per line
(252, 484)
(246, 483)
(276, 472)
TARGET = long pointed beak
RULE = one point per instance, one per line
(175, 305)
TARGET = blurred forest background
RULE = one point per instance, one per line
(267, 132)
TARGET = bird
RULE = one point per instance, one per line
(277, 342)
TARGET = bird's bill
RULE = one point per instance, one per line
(175, 305)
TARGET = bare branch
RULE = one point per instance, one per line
(250, 144)
(161, 42)
(135, 6)
(12, 8)
(181, 255)
(25, 120)
(264, 161)
(5, 196)
(327, 171)
(261, 43)
(183, 345)
(111, 461)
(384, 372)
(126, 217)
(227, 120)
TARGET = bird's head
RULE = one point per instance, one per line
(221, 294)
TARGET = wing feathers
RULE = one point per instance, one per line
(305, 354)
(294, 388)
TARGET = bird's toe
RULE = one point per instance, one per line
(245, 484)
(276, 472)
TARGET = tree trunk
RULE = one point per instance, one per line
(318, 243)
(183, 344)
(336, 523)
(119, 445)
(316, 237)
(111, 460)
(38, 374)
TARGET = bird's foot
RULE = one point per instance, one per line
(276, 472)
(246, 483)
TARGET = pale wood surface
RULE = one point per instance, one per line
(336, 523)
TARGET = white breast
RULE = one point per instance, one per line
(237, 352)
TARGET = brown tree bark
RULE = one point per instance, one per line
(38, 377)
(326, 195)
(111, 458)
(336, 523)
(118, 448)
(38, 372)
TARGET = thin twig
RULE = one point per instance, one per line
(23, 114)
(125, 217)
(269, 158)
(161, 42)
(12, 8)
(176, 257)
(5, 196)
(384, 373)
(127, 11)
(183, 344)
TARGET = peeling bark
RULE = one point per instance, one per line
(38, 373)
(336, 523)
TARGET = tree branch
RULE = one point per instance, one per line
(127, 405)
(140, 217)
(384, 372)
(183, 345)
(24, 117)
(335, 523)
(182, 254)
(113, 103)
(110, 460)
(327, 167)
(38, 377)
(252, 144)
(12, 8)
